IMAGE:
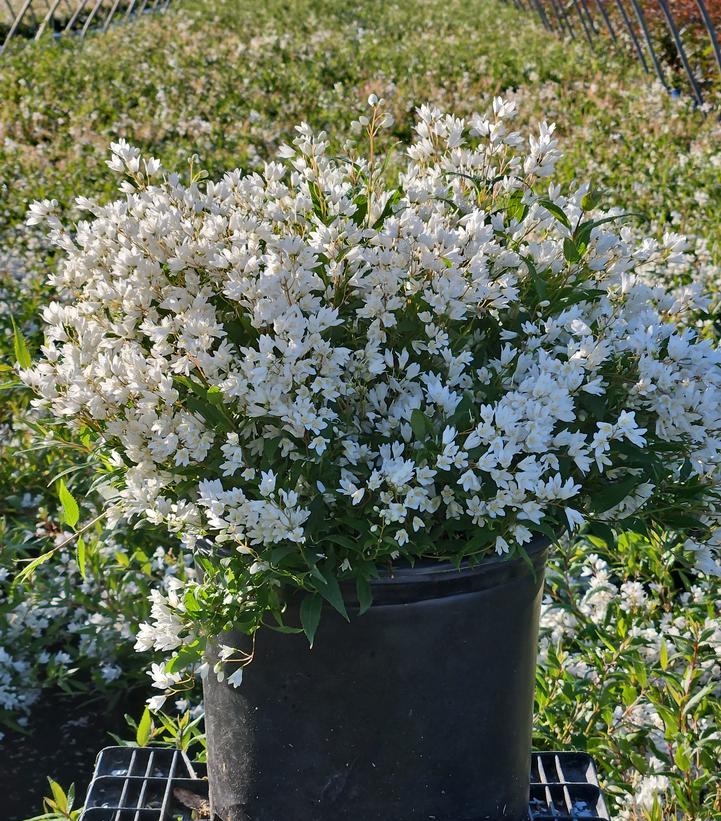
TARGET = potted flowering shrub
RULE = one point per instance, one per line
(368, 410)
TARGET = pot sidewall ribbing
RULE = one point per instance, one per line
(420, 709)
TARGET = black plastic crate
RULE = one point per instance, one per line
(157, 784)
(565, 786)
(143, 784)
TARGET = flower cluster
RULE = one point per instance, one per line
(319, 374)
(650, 654)
(70, 631)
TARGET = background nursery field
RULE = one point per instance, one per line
(630, 670)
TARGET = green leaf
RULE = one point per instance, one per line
(628, 692)
(614, 493)
(145, 728)
(462, 413)
(270, 448)
(590, 200)
(641, 673)
(556, 210)
(481, 537)
(683, 522)
(343, 541)
(702, 693)
(682, 759)
(316, 195)
(310, 609)
(285, 629)
(582, 234)
(122, 559)
(22, 355)
(538, 282)
(215, 397)
(70, 506)
(516, 207)
(361, 204)
(603, 531)
(61, 799)
(188, 654)
(29, 569)
(553, 535)
(199, 403)
(332, 594)
(80, 555)
(360, 526)
(570, 251)
(419, 424)
(277, 554)
(365, 596)
(388, 208)
(191, 602)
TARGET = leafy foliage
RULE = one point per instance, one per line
(213, 78)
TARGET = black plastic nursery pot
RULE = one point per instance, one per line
(421, 708)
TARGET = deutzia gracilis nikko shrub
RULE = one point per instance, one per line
(318, 374)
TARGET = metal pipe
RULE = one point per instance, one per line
(644, 28)
(583, 22)
(632, 32)
(542, 14)
(567, 18)
(90, 18)
(554, 17)
(555, 4)
(711, 29)
(15, 25)
(606, 19)
(589, 16)
(109, 18)
(75, 16)
(681, 51)
(47, 19)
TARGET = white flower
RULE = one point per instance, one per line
(261, 360)
(501, 545)
(267, 483)
(161, 678)
(155, 703)
(575, 519)
(39, 211)
(110, 672)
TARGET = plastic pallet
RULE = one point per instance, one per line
(565, 786)
(140, 784)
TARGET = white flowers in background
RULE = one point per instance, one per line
(630, 659)
(73, 631)
(464, 360)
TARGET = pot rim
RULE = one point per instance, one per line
(427, 579)
(427, 568)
